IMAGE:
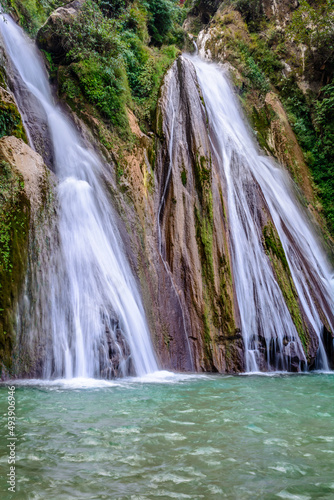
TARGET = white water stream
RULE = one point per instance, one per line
(262, 307)
(93, 305)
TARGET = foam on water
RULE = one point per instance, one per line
(158, 377)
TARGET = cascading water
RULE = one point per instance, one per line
(92, 317)
(263, 310)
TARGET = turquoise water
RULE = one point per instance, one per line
(243, 437)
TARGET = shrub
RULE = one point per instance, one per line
(251, 10)
(313, 26)
(112, 8)
(323, 151)
(32, 13)
(162, 14)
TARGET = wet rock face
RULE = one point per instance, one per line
(195, 244)
(328, 341)
(115, 355)
(24, 182)
(33, 119)
(194, 230)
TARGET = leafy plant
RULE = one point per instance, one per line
(313, 26)
(162, 15)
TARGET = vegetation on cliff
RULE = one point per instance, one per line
(113, 56)
(110, 56)
(307, 46)
(288, 48)
(31, 13)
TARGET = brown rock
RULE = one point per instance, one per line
(27, 163)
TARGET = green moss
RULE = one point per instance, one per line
(207, 339)
(275, 251)
(204, 215)
(10, 119)
(151, 154)
(225, 318)
(184, 176)
(14, 232)
(204, 235)
(218, 299)
(273, 244)
(261, 121)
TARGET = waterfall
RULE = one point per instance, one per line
(263, 310)
(92, 315)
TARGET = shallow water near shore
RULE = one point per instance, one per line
(173, 436)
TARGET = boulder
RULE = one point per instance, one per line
(48, 37)
(27, 164)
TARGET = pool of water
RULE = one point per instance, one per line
(243, 437)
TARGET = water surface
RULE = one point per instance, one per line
(178, 437)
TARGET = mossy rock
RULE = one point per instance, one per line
(10, 118)
(275, 251)
(14, 235)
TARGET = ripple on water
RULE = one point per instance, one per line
(291, 496)
(168, 477)
(138, 440)
(286, 468)
(205, 451)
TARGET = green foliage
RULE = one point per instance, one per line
(105, 86)
(323, 151)
(94, 50)
(112, 8)
(111, 55)
(311, 116)
(52, 66)
(162, 16)
(299, 112)
(250, 68)
(109, 62)
(32, 13)
(266, 59)
(145, 84)
(312, 25)
(256, 76)
(313, 124)
(251, 10)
